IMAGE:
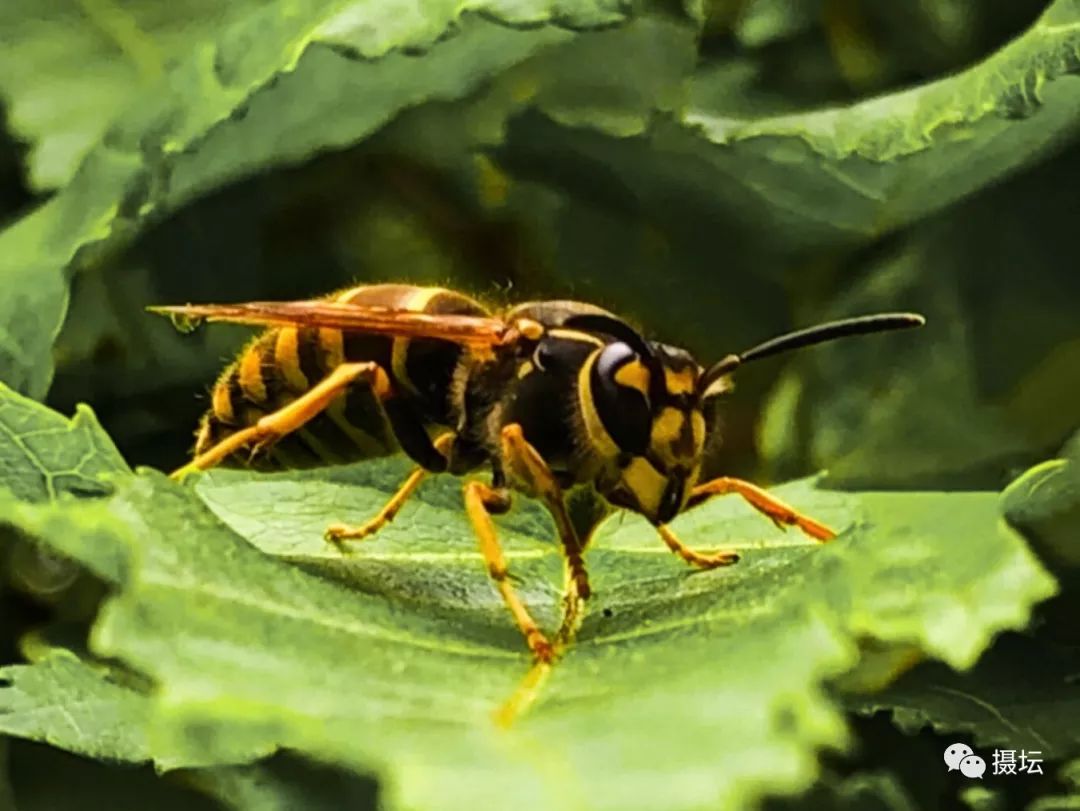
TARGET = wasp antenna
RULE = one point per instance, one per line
(860, 325)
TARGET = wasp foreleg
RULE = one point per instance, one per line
(776, 510)
(528, 468)
(703, 561)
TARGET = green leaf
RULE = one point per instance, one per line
(1021, 695)
(68, 68)
(837, 176)
(82, 709)
(398, 669)
(961, 400)
(183, 135)
(285, 783)
(65, 702)
(43, 455)
(875, 165)
(1069, 801)
(863, 791)
(1044, 504)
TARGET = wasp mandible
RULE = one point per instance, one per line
(548, 395)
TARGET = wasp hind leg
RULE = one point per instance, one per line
(290, 417)
(481, 501)
(339, 533)
(764, 502)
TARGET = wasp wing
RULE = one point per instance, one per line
(462, 329)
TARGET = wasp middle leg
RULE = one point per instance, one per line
(338, 533)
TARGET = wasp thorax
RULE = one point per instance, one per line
(643, 417)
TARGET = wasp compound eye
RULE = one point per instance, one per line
(619, 381)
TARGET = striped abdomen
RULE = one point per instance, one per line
(283, 363)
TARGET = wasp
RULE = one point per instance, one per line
(547, 395)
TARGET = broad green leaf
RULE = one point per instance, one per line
(837, 176)
(83, 709)
(43, 454)
(285, 783)
(173, 140)
(398, 669)
(1069, 800)
(68, 67)
(865, 169)
(761, 22)
(863, 791)
(65, 702)
(1021, 695)
(1044, 504)
(961, 400)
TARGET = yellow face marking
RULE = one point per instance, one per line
(251, 379)
(697, 423)
(597, 434)
(287, 358)
(674, 440)
(634, 375)
(646, 483)
(667, 427)
(525, 369)
(681, 382)
(222, 401)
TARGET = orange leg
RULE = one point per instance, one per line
(480, 502)
(780, 513)
(337, 533)
(722, 558)
(290, 417)
(528, 469)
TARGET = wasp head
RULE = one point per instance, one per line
(642, 408)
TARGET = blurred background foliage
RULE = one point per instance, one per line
(717, 170)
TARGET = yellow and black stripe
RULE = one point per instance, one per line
(283, 363)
